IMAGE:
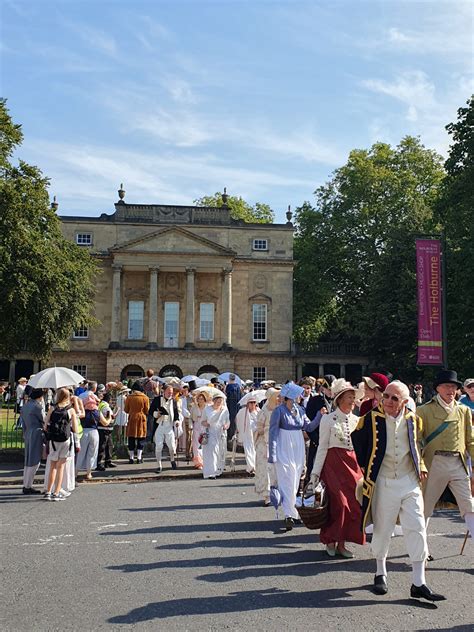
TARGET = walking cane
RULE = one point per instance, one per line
(464, 543)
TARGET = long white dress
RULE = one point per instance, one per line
(214, 452)
(246, 425)
(196, 417)
(265, 473)
(289, 467)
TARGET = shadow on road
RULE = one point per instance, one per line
(246, 601)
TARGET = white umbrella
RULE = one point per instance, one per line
(224, 377)
(190, 378)
(210, 390)
(208, 376)
(56, 377)
(200, 382)
(259, 395)
(172, 380)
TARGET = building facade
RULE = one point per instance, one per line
(184, 290)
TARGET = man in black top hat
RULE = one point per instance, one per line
(448, 438)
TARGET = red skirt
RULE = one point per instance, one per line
(340, 473)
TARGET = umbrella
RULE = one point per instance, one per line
(56, 377)
(172, 380)
(208, 376)
(224, 377)
(200, 382)
(210, 390)
(190, 378)
(259, 395)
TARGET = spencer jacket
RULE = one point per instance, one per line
(457, 437)
(370, 442)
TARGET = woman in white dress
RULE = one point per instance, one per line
(246, 422)
(198, 408)
(216, 421)
(264, 472)
(121, 420)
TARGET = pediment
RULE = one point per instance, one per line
(173, 239)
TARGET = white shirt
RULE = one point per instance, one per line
(334, 432)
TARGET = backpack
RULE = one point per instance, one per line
(59, 428)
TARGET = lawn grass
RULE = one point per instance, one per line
(9, 437)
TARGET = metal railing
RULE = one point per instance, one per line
(330, 348)
(11, 436)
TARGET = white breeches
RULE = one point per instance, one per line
(165, 434)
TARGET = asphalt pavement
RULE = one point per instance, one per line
(189, 554)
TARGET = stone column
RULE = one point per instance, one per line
(299, 371)
(11, 371)
(189, 342)
(227, 309)
(321, 370)
(116, 307)
(153, 309)
(36, 366)
(342, 370)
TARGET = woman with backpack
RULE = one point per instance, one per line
(60, 423)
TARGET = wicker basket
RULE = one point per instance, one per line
(314, 517)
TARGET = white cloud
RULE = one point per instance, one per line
(412, 88)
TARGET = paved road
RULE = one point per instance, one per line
(203, 555)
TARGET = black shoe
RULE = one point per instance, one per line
(131, 461)
(288, 524)
(34, 491)
(380, 585)
(173, 465)
(110, 464)
(430, 558)
(297, 521)
(423, 592)
(139, 461)
(27, 491)
(159, 470)
(100, 468)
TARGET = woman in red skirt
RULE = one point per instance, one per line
(336, 465)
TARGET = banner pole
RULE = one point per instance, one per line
(444, 286)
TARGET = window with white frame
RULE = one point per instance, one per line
(81, 369)
(259, 321)
(206, 321)
(135, 320)
(84, 239)
(82, 332)
(171, 324)
(259, 373)
(260, 244)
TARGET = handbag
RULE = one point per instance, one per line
(316, 516)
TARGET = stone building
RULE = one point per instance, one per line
(184, 290)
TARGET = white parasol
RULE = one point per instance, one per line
(210, 390)
(56, 377)
(208, 376)
(259, 395)
(224, 377)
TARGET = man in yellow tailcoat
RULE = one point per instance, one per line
(448, 438)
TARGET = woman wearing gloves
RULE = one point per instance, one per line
(337, 466)
(286, 447)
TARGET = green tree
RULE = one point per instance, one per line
(46, 281)
(357, 247)
(455, 212)
(240, 209)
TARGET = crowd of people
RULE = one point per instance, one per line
(383, 456)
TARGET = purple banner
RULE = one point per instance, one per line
(430, 321)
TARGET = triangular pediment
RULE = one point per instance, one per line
(172, 239)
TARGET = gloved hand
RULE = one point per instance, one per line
(314, 479)
(156, 414)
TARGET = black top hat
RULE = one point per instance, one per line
(445, 376)
(192, 385)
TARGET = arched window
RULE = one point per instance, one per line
(171, 370)
(131, 371)
(207, 368)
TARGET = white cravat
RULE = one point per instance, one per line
(447, 407)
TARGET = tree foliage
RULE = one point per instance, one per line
(46, 281)
(355, 276)
(240, 209)
(455, 212)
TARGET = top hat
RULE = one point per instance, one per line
(445, 376)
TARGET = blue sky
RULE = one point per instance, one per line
(177, 99)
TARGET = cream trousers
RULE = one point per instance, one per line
(402, 497)
(444, 471)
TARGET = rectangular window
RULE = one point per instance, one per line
(171, 324)
(259, 321)
(82, 332)
(81, 369)
(135, 320)
(259, 373)
(260, 244)
(84, 239)
(206, 321)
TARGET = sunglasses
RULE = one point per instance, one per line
(394, 398)
(469, 385)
